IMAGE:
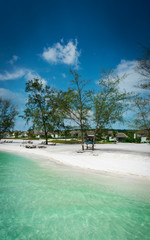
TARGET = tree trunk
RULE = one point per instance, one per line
(82, 145)
(93, 142)
(46, 138)
(148, 137)
(94, 139)
(82, 139)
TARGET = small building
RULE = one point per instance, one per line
(6, 135)
(90, 133)
(23, 134)
(120, 136)
(75, 133)
(143, 134)
(56, 135)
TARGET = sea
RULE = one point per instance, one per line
(54, 202)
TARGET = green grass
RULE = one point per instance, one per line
(65, 141)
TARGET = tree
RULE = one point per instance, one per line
(143, 68)
(108, 102)
(142, 119)
(8, 112)
(41, 107)
(142, 102)
(75, 103)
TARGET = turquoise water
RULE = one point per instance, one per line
(41, 203)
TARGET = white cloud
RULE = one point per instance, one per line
(19, 73)
(60, 53)
(131, 81)
(13, 59)
(31, 75)
(28, 74)
(64, 75)
(13, 96)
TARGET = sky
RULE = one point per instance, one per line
(46, 38)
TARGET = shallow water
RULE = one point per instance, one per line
(38, 203)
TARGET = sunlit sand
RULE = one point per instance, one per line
(121, 158)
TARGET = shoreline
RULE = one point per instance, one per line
(116, 160)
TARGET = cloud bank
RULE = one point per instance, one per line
(65, 54)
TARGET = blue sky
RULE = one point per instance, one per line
(47, 38)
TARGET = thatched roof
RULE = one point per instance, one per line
(121, 135)
(75, 132)
(142, 133)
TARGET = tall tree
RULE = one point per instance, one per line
(108, 102)
(142, 119)
(75, 103)
(8, 112)
(41, 106)
(142, 102)
(143, 67)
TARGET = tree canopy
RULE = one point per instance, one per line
(8, 112)
(142, 120)
(142, 101)
(109, 102)
(76, 103)
(143, 68)
(42, 107)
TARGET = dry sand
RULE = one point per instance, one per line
(121, 158)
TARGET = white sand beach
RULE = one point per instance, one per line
(122, 158)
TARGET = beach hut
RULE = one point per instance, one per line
(143, 134)
(120, 136)
(75, 133)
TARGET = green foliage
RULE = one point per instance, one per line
(130, 138)
(143, 68)
(114, 133)
(108, 103)
(142, 103)
(17, 133)
(76, 103)
(107, 138)
(142, 108)
(105, 142)
(138, 140)
(42, 107)
(31, 133)
(8, 112)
